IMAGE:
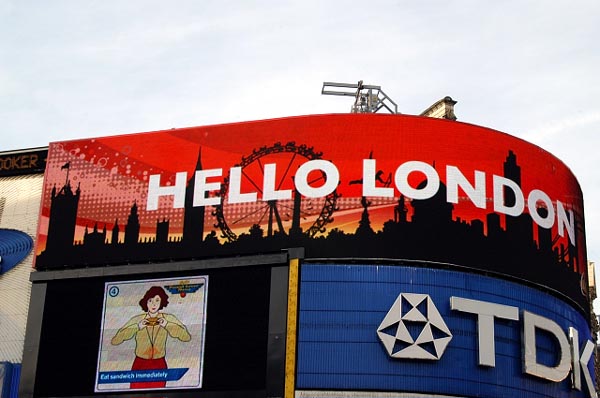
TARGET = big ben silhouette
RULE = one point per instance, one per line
(64, 204)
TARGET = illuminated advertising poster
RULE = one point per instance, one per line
(340, 186)
(152, 334)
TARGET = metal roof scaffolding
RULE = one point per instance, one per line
(367, 98)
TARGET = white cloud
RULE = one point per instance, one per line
(564, 125)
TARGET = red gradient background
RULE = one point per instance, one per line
(113, 172)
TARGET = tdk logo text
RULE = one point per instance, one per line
(414, 329)
(414, 311)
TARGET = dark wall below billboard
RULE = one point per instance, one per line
(235, 355)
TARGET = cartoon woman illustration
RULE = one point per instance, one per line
(150, 330)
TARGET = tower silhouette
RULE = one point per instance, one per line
(400, 210)
(433, 212)
(132, 228)
(63, 216)
(95, 238)
(193, 218)
(519, 228)
(512, 171)
(364, 224)
(162, 231)
(295, 229)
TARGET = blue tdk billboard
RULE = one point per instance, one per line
(435, 331)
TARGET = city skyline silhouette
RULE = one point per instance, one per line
(431, 234)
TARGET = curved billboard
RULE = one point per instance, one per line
(341, 186)
(413, 329)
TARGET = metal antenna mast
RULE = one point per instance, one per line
(367, 98)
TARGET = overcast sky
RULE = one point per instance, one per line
(76, 69)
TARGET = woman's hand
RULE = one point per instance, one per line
(142, 324)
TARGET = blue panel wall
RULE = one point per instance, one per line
(14, 383)
(341, 307)
(10, 375)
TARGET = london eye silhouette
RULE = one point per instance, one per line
(281, 216)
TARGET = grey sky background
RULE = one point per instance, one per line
(76, 69)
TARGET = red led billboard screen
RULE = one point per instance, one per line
(341, 186)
